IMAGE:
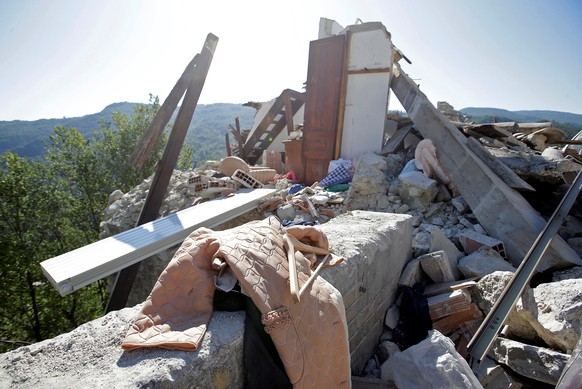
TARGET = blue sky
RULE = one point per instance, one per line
(74, 57)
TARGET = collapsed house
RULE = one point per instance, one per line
(426, 210)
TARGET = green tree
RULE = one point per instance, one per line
(34, 214)
(55, 205)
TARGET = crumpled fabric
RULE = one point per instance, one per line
(311, 336)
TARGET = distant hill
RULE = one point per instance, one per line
(525, 116)
(206, 132)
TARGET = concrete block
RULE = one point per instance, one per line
(482, 262)
(437, 266)
(472, 241)
(439, 241)
(91, 357)
(417, 190)
(376, 247)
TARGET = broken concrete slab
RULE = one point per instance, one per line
(437, 266)
(376, 247)
(432, 363)
(439, 241)
(482, 262)
(493, 376)
(537, 363)
(514, 221)
(91, 356)
(472, 241)
(417, 190)
(555, 312)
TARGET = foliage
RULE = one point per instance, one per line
(205, 134)
(54, 205)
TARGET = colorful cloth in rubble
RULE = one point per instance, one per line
(339, 175)
(311, 336)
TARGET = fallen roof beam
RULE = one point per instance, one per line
(73, 270)
(502, 211)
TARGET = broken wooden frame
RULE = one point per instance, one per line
(279, 116)
(165, 167)
(487, 332)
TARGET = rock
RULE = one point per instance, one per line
(568, 274)
(460, 204)
(440, 242)
(115, 195)
(374, 161)
(537, 363)
(488, 290)
(417, 190)
(437, 266)
(412, 274)
(420, 243)
(90, 356)
(286, 212)
(493, 376)
(556, 313)
(392, 316)
(482, 262)
(432, 363)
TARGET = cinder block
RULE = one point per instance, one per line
(472, 241)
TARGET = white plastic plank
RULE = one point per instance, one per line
(73, 270)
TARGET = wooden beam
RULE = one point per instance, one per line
(228, 150)
(166, 166)
(288, 112)
(151, 136)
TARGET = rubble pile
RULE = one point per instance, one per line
(456, 269)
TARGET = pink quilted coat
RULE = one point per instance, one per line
(310, 335)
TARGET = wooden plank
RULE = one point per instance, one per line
(228, 150)
(270, 127)
(502, 211)
(447, 287)
(325, 77)
(165, 167)
(151, 136)
(450, 323)
(73, 270)
(396, 140)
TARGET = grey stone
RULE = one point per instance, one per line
(372, 160)
(286, 212)
(555, 312)
(91, 357)
(493, 376)
(460, 204)
(412, 274)
(439, 241)
(392, 317)
(432, 363)
(538, 363)
(421, 243)
(417, 190)
(488, 290)
(482, 262)
(437, 266)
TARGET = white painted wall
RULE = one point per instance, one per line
(367, 94)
